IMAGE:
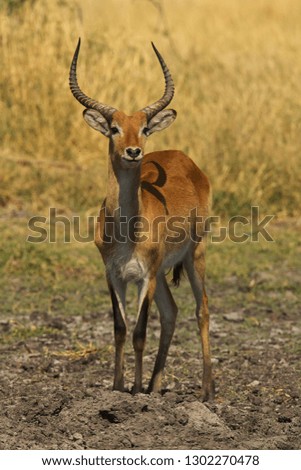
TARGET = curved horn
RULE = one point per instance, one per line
(154, 108)
(105, 110)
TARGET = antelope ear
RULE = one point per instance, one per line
(96, 120)
(161, 120)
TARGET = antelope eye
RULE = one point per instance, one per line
(114, 130)
(145, 131)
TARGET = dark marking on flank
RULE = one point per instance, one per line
(160, 182)
(154, 191)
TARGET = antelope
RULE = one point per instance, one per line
(147, 194)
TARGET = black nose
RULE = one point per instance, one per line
(133, 152)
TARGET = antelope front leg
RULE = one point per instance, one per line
(168, 314)
(146, 293)
(118, 304)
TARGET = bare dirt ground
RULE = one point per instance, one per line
(51, 399)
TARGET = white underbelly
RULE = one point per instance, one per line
(129, 270)
(132, 270)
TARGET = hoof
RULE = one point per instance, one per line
(119, 388)
(208, 392)
(136, 390)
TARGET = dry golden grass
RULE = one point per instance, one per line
(237, 69)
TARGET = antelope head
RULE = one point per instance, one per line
(127, 134)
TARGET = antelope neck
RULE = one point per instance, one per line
(124, 192)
